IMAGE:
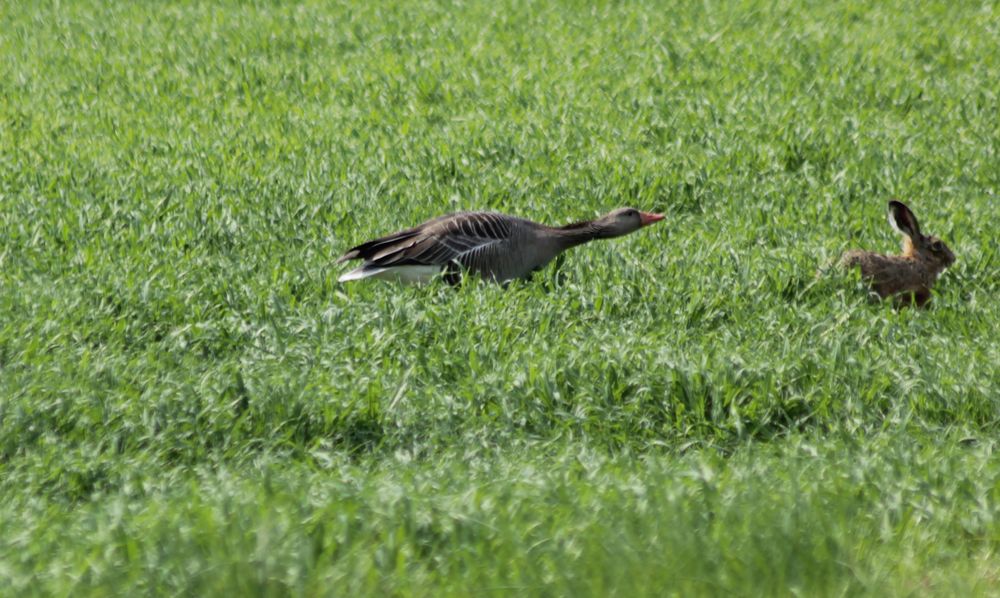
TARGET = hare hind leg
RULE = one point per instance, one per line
(919, 297)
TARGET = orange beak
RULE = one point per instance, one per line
(646, 218)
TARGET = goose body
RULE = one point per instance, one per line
(496, 247)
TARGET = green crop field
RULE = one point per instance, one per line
(192, 405)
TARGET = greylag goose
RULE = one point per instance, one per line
(494, 246)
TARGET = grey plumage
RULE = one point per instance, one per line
(494, 246)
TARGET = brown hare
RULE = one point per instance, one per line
(907, 277)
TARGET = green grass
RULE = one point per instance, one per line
(190, 404)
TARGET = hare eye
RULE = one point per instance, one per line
(936, 246)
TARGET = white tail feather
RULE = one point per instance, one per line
(407, 274)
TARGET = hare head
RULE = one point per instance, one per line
(929, 250)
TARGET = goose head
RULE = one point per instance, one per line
(623, 221)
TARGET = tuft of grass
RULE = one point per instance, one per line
(190, 402)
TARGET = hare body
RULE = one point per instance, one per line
(909, 276)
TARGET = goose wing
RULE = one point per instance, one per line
(466, 238)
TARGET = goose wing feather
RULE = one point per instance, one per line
(473, 239)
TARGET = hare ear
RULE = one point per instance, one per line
(903, 220)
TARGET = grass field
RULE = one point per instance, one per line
(190, 404)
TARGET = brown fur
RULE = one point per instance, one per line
(907, 277)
